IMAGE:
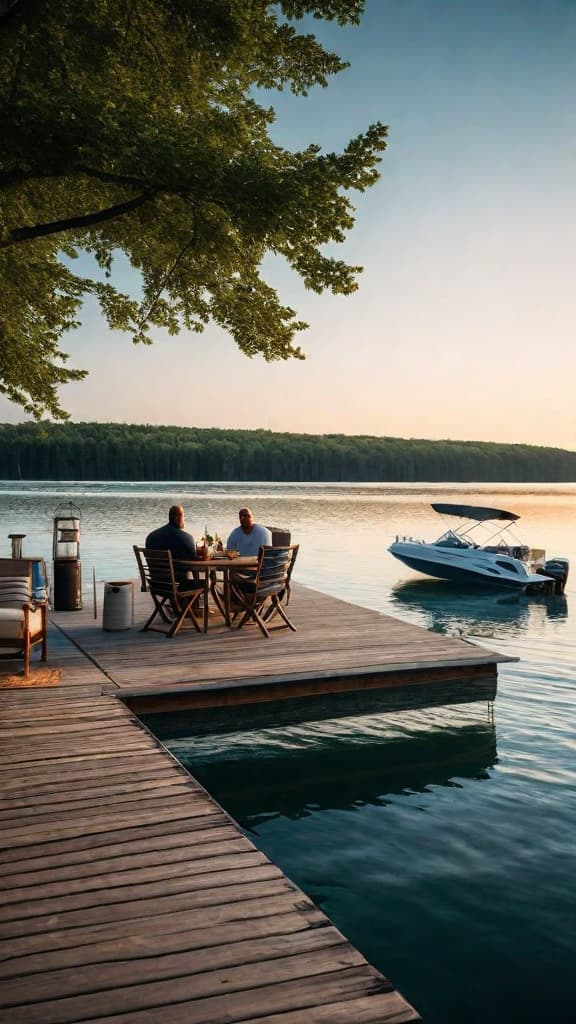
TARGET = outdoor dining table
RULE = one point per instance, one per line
(225, 567)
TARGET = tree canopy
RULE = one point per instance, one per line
(141, 128)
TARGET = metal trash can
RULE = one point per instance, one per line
(118, 609)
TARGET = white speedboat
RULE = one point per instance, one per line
(500, 560)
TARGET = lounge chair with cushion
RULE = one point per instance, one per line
(23, 621)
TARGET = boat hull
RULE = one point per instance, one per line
(471, 566)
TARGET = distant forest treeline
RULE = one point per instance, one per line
(119, 451)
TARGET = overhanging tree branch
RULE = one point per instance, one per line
(16, 177)
(69, 223)
(8, 8)
(189, 244)
(110, 178)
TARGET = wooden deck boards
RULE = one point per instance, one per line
(128, 894)
(334, 639)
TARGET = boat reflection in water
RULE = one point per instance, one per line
(342, 764)
(445, 607)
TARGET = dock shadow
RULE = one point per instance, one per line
(337, 767)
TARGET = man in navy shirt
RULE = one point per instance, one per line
(173, 537)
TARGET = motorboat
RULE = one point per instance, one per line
(499, 561)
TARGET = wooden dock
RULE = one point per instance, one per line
(129, 895)
(337, 646)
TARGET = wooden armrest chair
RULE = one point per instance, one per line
(140, 564)
(171, 592)
(23, 621)
(260, 598)
(280, 537)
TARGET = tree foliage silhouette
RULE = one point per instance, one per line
(141, 128)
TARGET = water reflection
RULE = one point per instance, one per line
(446, 607)
(329, 766)
(322, 519)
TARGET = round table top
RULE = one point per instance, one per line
(223, 562)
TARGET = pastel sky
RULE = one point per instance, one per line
(464, 321)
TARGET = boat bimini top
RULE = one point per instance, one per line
(476, 512)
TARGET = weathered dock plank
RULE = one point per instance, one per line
(129, 894)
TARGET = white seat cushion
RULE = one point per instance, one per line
(12, 623)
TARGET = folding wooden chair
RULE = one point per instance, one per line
(280, 537)
(284, 596)
(175, 597)
(260, 598)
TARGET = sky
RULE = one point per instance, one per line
(463, 323)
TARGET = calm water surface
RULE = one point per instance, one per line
(440, 840)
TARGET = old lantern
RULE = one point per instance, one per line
(67, 577)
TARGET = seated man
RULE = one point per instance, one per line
(249, 536)
(173, 537)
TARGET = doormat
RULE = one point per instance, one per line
(37, 677)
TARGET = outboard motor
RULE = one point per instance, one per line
(557, 569)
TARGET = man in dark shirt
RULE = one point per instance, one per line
(173, 536)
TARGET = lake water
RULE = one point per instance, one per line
(440, 841)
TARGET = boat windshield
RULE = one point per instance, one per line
(451, 539)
